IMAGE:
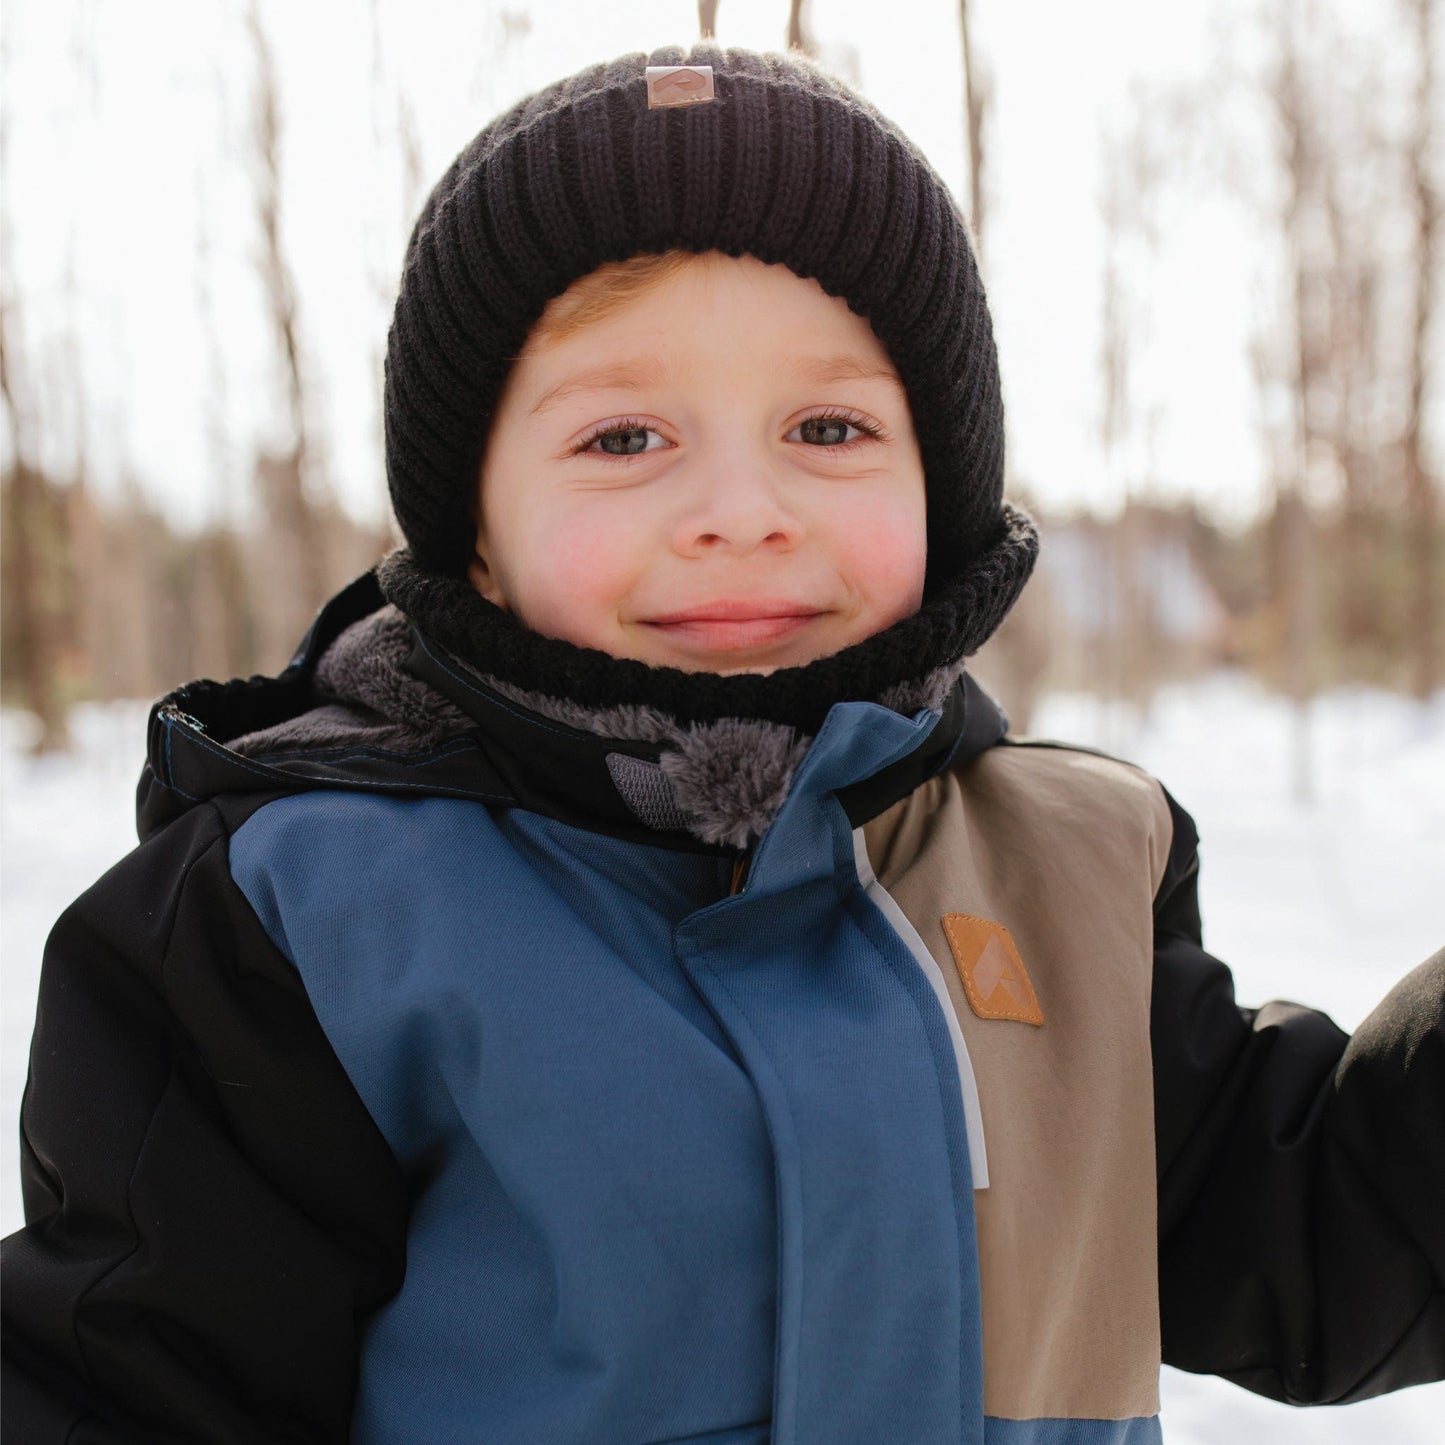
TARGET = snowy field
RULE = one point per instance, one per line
(1325, 901)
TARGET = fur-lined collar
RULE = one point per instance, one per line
(721, 780)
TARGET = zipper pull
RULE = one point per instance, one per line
(740, 872)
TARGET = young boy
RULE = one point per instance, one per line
(620, 982)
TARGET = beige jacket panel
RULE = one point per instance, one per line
(1066, 850)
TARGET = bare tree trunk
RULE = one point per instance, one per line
(297, 560)
(1302, 193)
(385, 99)
(1110, 667)
(31, 620)
(1423, 502)
(707, 19)
(28, 604)
(95, 556)
(798, 37)
(217, 596)
(975, 105)
(1127, 205)
(1357, 552)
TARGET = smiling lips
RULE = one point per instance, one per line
(729, 626)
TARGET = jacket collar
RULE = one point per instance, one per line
(371, 700)
(721, 781)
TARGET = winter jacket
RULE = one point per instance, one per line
(426, 1075)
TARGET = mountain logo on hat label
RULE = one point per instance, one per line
(993, 974)
(669, 85)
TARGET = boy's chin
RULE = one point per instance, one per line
(703, 669)
(731, 666)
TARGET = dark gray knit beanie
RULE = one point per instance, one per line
(785, 163)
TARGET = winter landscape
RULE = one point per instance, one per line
(1325, 901)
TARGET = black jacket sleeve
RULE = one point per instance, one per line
(211, 1213)
(1301, 1174)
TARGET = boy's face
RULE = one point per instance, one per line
(719, 474)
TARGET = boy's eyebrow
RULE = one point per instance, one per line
(641, 372)
(618, 376)
(827, 369)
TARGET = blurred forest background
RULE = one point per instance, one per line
(1317, 127)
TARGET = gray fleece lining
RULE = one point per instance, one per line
(370, 698)
(730, 776)
(727, 778)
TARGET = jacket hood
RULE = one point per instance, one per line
(372, 700)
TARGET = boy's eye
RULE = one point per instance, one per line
(829, 430)
(629, 439)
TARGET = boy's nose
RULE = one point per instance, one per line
(738, 511)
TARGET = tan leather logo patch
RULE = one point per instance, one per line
(669, 85)
(993, 974)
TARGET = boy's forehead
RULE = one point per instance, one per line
(667, 281)
(633, 324)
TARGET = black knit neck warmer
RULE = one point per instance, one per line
(948, 627)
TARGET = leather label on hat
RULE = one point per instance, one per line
(993, 974)
(669, 85)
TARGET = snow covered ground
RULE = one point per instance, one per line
(1326, 901)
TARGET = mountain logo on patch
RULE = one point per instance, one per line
(994, 977)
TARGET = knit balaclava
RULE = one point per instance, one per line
(785, 163)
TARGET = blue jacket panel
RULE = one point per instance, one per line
(680, 1162)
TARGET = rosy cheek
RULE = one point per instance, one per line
(889, 558)
(575, 576)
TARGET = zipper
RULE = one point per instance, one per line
(172, 713)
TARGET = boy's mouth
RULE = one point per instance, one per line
(734, 626)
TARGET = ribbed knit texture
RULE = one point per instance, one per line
(786, 164)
